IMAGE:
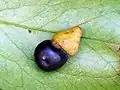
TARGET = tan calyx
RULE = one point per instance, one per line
(69, 40)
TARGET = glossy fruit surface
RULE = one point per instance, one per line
(48, 57)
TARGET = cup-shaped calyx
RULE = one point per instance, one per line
(69, 40)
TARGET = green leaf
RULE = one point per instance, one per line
(25, 23)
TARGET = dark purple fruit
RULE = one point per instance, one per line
(49, 57)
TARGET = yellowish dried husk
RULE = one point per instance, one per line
(69, 40)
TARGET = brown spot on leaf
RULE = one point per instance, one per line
(29, 31)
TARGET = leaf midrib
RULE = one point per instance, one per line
(25, 27)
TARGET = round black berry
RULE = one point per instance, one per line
(48, 57)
